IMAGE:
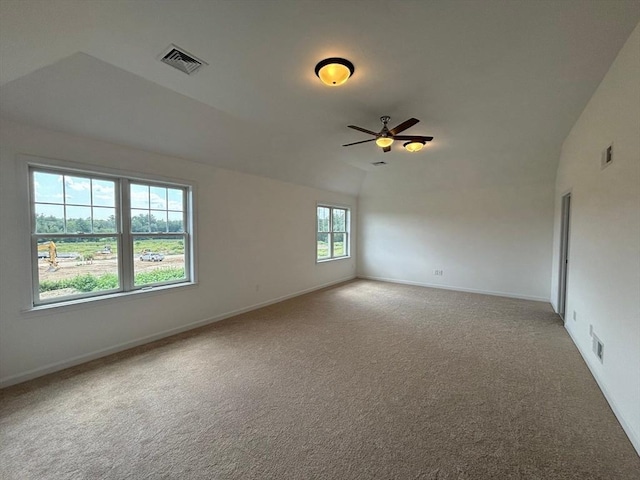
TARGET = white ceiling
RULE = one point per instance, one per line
(494, 82)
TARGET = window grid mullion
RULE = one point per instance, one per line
(126, 247)
(330, 232)
(64, 201)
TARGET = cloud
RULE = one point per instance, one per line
(77, 186)
(156, 201)
(98, 188)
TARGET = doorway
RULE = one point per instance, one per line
(564, 254)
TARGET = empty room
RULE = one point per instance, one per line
(319, 239)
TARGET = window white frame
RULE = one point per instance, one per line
(332, 230)
(124, 236)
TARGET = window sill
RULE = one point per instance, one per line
(335, 259)
(103, 300)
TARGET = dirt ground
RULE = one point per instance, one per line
(69, 268)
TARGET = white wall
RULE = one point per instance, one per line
(251, 231)
(489, 233)
(604, 257)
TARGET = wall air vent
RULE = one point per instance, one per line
(598, 347)
(180, 59)
(378, 164)
(607, 157)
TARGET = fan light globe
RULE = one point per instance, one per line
(334, 71)
(414, 146)
(384, 141)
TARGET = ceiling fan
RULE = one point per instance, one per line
(386, 137)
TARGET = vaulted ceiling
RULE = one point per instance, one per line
(492, 81)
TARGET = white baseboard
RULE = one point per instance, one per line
(71, 362)
(633, 437)
(457, 289)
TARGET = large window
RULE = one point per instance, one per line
(94, 234)
(332, 235)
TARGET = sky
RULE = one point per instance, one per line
(53, 192)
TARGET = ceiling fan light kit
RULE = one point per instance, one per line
(385, 137)
(384, 141)
(414, 146)
(334, 71)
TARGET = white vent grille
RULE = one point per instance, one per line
(598, 347)
(181, 60)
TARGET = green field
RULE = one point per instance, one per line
(323, 249)
(109, 281)
(96, 248)
(164, 246)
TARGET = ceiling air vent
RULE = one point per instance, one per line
(183, 61)
(378, 164)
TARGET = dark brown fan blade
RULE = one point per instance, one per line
(356, 143)
(386, 149)
(403, 126)
(409, 138)
(362, 130)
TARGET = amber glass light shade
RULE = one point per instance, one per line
(384, 141)
(414, 146)
(334, 71)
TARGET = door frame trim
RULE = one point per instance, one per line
(565, 231)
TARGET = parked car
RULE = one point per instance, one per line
(151, 257)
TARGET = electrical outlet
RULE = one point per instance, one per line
(438, 273)
(575, 316)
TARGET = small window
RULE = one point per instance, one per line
(332, 233)
(94, 234)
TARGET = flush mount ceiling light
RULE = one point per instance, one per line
(414, 146)
(334, 71)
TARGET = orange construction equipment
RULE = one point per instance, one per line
(51, 248)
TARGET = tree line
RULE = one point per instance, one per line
(139, 224)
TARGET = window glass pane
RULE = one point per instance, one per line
(104, 220)
(70, 266)
(139, 196)
(158, 221)
(77, 190)
(78, 219)
(158, 260)
(339, 220)
(104, 193)
(139, 220)
(323, 246)
(175, 222)
(158, 198)
(175, 199)
(47, 187)
(49, 218)
(339, 245)
(323, 219)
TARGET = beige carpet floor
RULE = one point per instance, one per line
(366, 380)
